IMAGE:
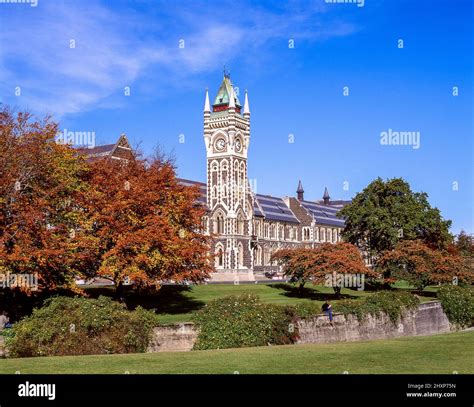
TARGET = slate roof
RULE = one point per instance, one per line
(323, 214)
(275, 209)
(98, 151)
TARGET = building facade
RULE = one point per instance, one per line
(248, 227)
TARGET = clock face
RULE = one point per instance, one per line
(238, 146)
(220, 144)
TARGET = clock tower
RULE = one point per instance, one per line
(229, 199)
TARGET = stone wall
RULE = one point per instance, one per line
(173, 338)
(428, 319)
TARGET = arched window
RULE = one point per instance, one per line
(219, 224)
(219, 256)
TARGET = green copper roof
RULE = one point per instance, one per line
(223, 93)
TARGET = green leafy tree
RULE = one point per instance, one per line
(387, 212)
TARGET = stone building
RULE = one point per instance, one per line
(248, 227)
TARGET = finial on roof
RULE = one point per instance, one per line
(300, 191)
(207, 105)
(226, 72)
(246, 103)
(326, 196)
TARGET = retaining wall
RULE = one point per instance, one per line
(428, 319)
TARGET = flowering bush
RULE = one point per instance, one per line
(458, 304)
(81, 326)
(241, 321)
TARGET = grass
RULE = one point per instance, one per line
(438, 354)
(176, 304)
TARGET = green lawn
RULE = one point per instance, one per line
(439, 354)
(177, 303)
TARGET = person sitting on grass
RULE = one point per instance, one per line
(4, 321)
(327, 309)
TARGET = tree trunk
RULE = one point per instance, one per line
(119, 291)
(337, 291)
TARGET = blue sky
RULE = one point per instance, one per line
(292, 90)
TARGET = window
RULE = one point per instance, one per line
(323, 235)
(306, 233)
(329, 235)
(317, 234)
(219, 256)
(219, 224)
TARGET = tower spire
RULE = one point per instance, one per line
(207, 105)
(300, 191)
(246, 103)
(326, 196)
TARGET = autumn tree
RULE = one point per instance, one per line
(387, 212)
(464, 244)
(142, 225)
(320, 263)
(421, 265)
(39, 180)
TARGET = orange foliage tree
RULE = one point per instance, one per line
(62, 217)
(39, 180)
(321, 263)
(422, 265)
(142, 225)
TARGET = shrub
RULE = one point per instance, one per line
(391, 303)
(81, 326)
(241, 321)
(458, 304)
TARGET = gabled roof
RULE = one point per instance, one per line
(275, 209)
(323, 214)
(120, 150)
(224, 92)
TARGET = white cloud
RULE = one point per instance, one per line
(114, 47)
